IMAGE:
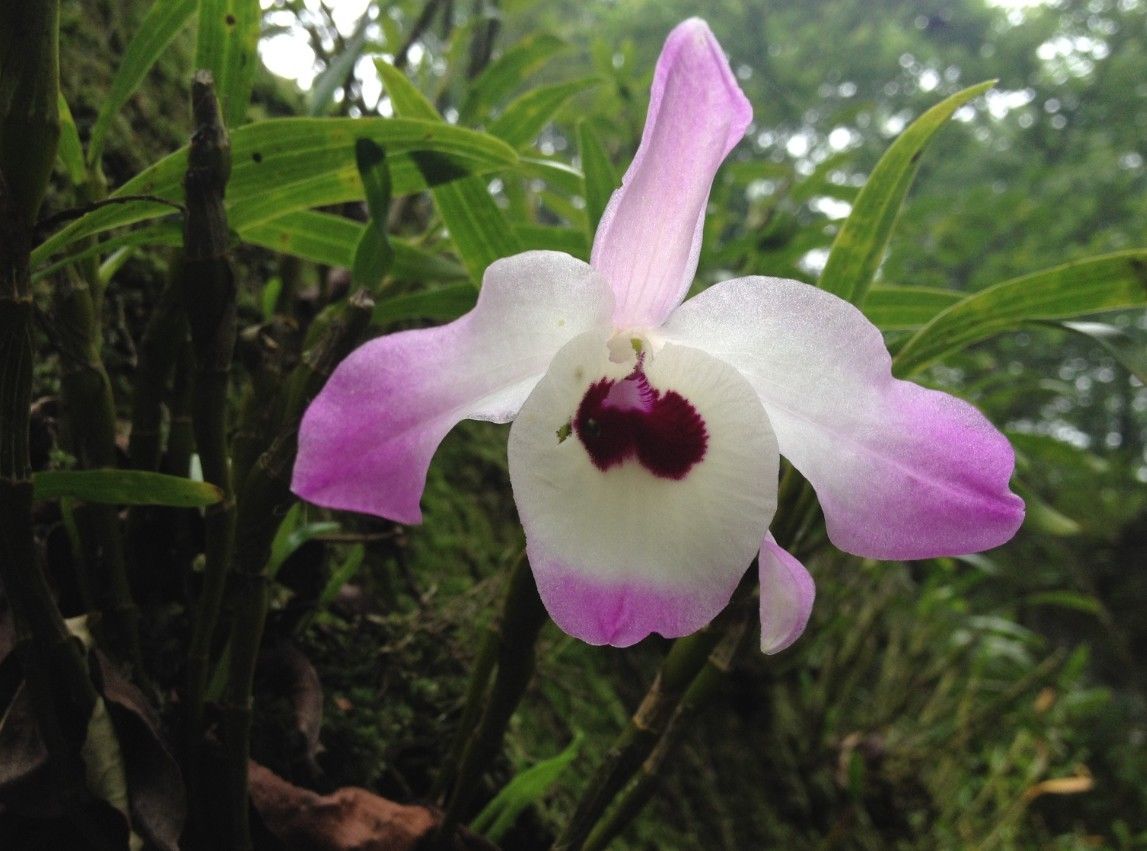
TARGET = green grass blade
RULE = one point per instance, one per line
(1094, 285)
(228, 37)
(288, 164)
(859, 245)
(477, 227)
(526, 117)
(507, 73)
(124, 487)
(442, 304)
(528, 787)
(71, 150)
(906, 308)
(162, 23)
(331, 240)
(600, 176)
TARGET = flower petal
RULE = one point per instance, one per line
(624, 549)
(650, 233)
(366, 441)
(787, 594)
(901, 471)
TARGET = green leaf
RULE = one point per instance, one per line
(859, 246)
(1041, 517)
(373, 255)
(571, 241)
(1129, 351)
(525, 118)
(288, 164)
(332, 240)
(336, 73)
(269, 299)
(906, 308)
(477, 227)
(162, 23)
(292, 534)
(442, 304)
(228, 38)
(528, 787)
(1094, 285)
(71, 150)
(124, 487)
(1065, 600)
(508, 72)
(600, 176)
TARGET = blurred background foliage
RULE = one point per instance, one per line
(996, 701)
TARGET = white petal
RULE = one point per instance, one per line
(623, 552)
(366, 441)
(787, 594)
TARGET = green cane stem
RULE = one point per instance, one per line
(262, 501)
(700, 691)
(523, 616)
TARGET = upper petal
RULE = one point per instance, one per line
(900, 471)
(650, 233)
(628, 545)
(366, 441)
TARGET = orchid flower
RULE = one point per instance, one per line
(646, 434)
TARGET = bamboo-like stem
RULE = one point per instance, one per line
(704, 685)
(208, 290)
(523, 616)
(473, 702)
(90, 420)
(262, 501)
(630, 749)
(55, 672)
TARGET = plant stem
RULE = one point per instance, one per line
(708, 679)
(262, 501)
(90, 418)
(685, 660)
(208, 289)
(523, 616)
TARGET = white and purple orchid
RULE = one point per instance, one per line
(646, 434)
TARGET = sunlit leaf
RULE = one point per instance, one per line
(521, 121)
(508, 72)
(228, 37)
(287, 164)
(859, 245)
(1094, 285)
(71, 150)
(906, 308)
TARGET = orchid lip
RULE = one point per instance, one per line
(628, 419)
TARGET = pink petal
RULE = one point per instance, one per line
(650, 234)
(366, 441)
(901, 471)
(626, 549)
(787, 594)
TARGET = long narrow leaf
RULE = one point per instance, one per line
(1095, 285)
(508, 72)
(859, 246)
(477, 227)
(1129, 351)
(228, 38)
(162, 23)
(71, 150)
(124, 487)
(442, 304)
(906, 308)
(526, 117)
(287, 164)
(600, 175)
(331, 240)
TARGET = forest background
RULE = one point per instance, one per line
(992, 701)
